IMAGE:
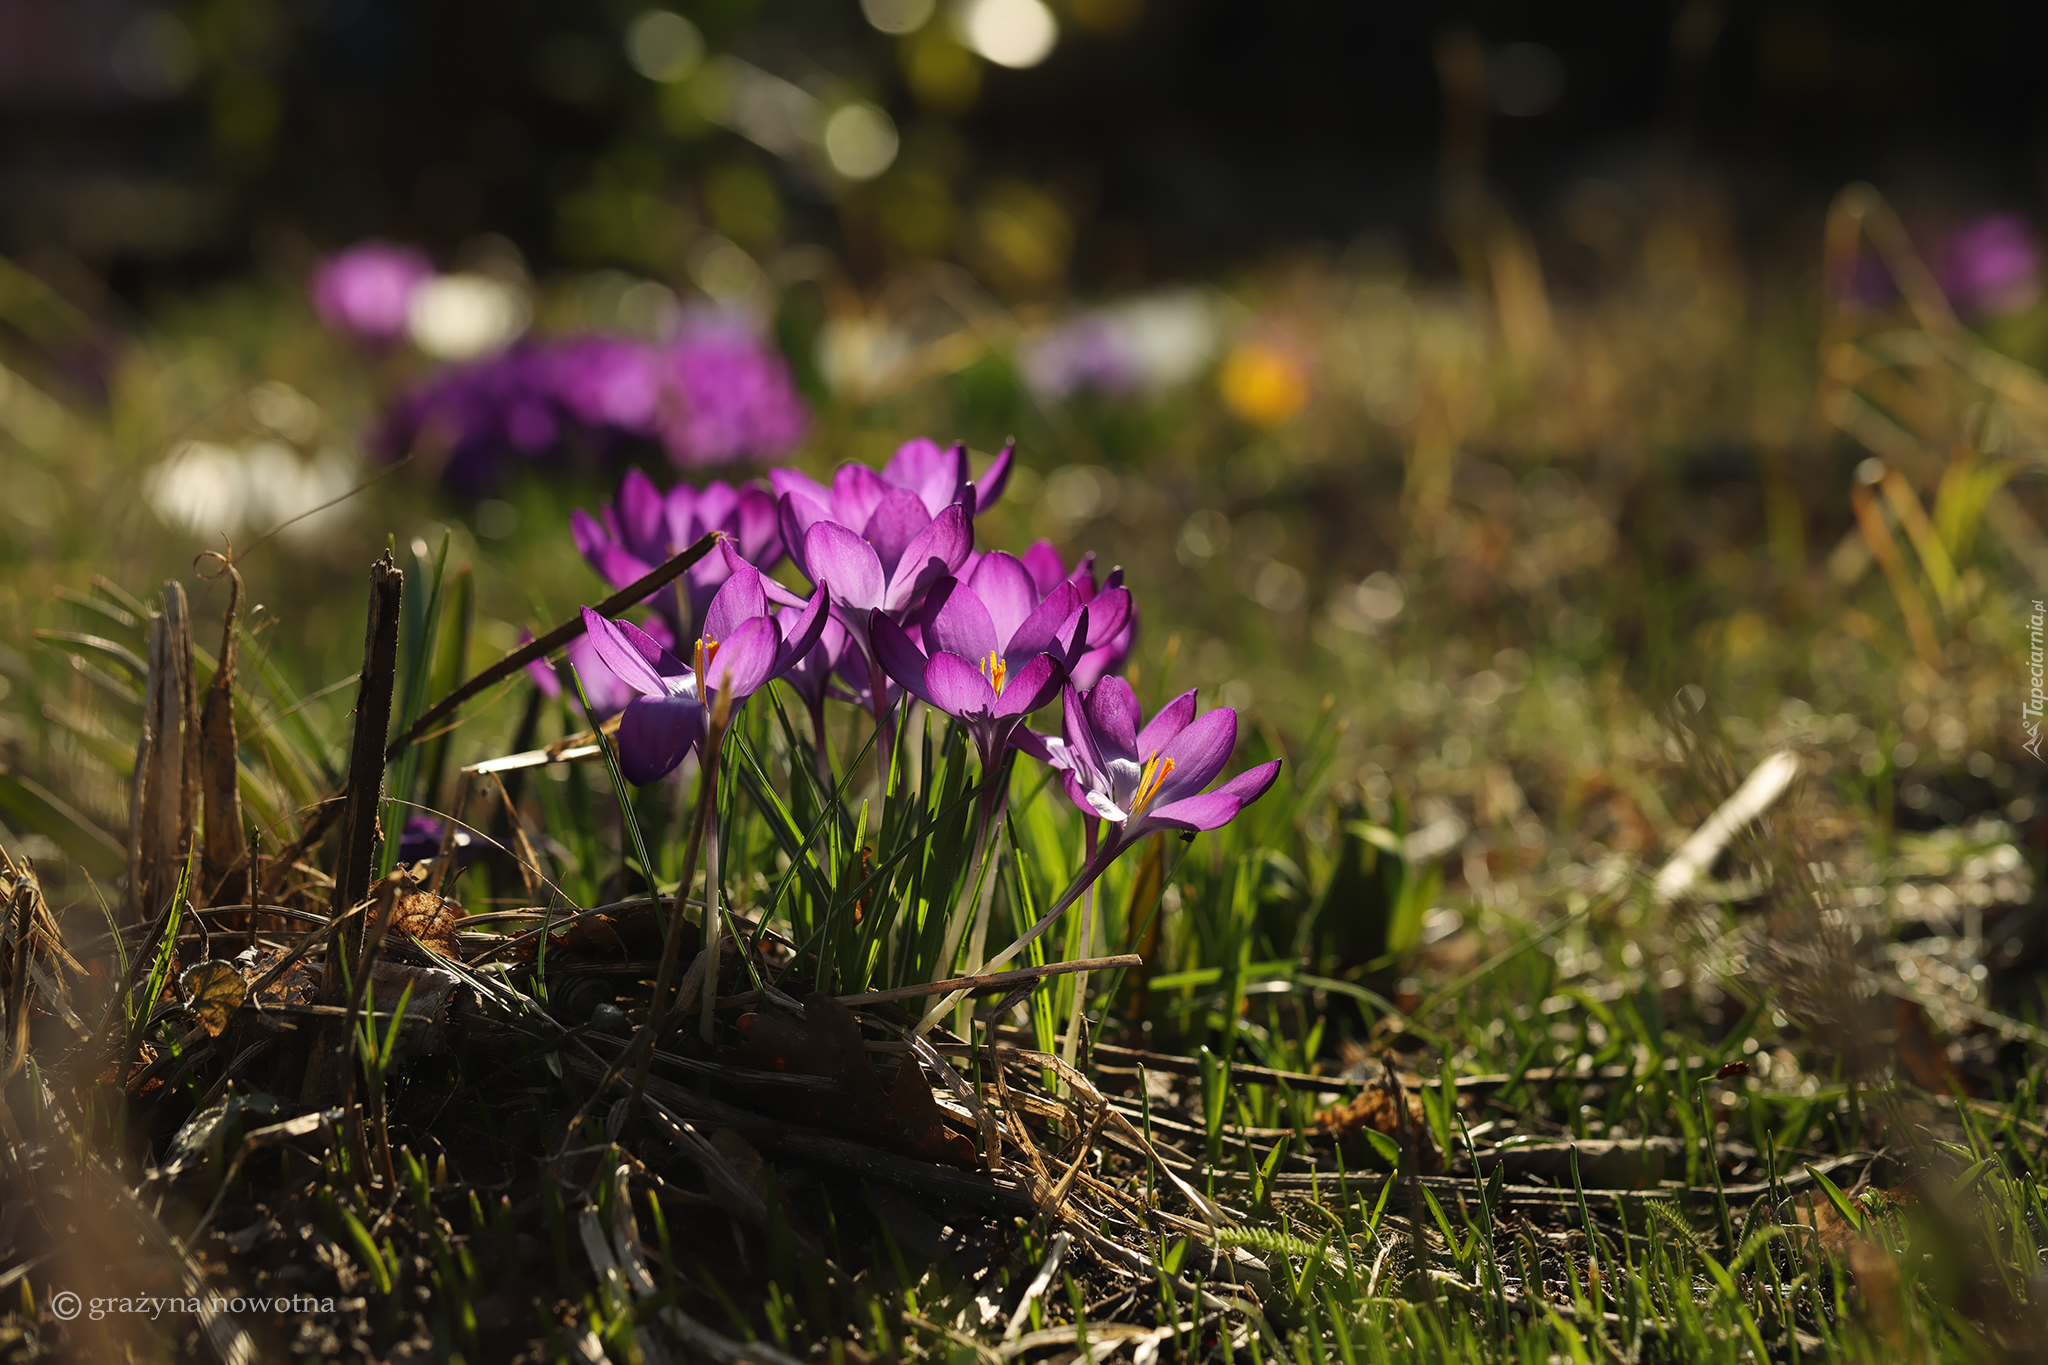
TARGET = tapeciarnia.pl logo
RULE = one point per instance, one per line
(2037, 667)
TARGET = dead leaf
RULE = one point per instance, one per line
(827, 1043)
(1921, 1052)
(430, 920)
(213, 991)
(1375, 1110)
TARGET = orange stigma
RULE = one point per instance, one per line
(707, 650)
(993, 668)
(1154, 775)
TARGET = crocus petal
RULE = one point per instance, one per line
(933, 474)
(744, 661)
(643, 516)
(776, 593)
(1113, 718)
(1171, 719)
(1048, 620)
(1081, 754)
(938, 550)
(619, 567)
(856, 492)
(588, 533)
(1036, 745)
(955, 620)
(957, 687)
(1109, 611)
(900, 659)
(788, 481)
(715, 502)
(1030, 687)
(1210, 810)
(627, 651)
(896, 520)
(795, 515)
(742, 598)
(754, 522)
(1197, 753)
(837, 554)
(995, 479)
(655, 733)
(539, 670)
(1005, 587)
(801, 631)
(1044, 564)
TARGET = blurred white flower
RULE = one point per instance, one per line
(460, 317)
(211, 489)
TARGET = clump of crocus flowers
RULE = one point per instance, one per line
(902, 610)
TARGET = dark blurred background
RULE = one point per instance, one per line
(146, 147)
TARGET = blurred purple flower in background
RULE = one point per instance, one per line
(712, 395)
(1088, 351)
(736, 400)
(1991, 265)
(421, 840)
(364, 291)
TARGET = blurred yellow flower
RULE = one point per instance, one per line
(1263, 383)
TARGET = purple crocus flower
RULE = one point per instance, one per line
(364, 291)
(1113, 624)
(1142, 777)
(608, 696)
(1991, 265)
(734, 396)
(919, 472)
(743, 645)
(992, 651)
(645, 526)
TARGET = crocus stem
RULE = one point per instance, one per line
(714, 923)
(995, 800)
(1071, 1047)
(671, 943)
(885, 750)
(1082, 881)
(818, 736)
(964, 909)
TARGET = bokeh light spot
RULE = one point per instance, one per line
(663, 46)
(898, 16)
(1013, 33)
(860, 141)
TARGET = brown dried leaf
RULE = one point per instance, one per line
(1920, 1050)
(827, 1043)
(430, 920)
(1374, 1109)
(213, 991)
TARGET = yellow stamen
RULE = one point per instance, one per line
(993, 668)
(707, 650)
(1154, 775)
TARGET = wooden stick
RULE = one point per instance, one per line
(631, 595)
(366, 761)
